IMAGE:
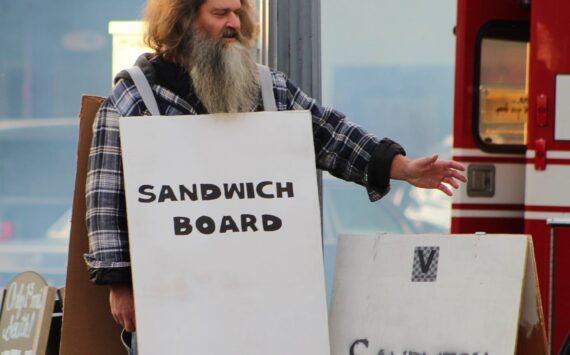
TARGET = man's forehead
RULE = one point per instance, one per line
(223, 4)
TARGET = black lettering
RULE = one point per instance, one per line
(230, 190)
(423, 265)
(210, 192)
(143, 190)
(182, 226)
(228, 223)
(260, 192)
(250, 190)
(166, 193)
(504, 108)
(192, 194)
(356, 342)
(248, 221)
(271, 223)
(205, 225)
(288, 188)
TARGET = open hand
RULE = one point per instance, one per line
(428, 172)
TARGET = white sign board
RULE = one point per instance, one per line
(434, 295)
(224, 233)
(562, 114)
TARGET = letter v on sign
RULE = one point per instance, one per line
(425, 264)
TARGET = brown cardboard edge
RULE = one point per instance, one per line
(537, 342)
(44, 322)
(88, 327)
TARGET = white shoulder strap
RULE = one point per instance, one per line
(144, 89)
(266, 88)
(150, 101)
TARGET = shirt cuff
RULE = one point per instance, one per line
(381, 163)
(110, 276)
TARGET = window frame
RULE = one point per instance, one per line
(501, 30)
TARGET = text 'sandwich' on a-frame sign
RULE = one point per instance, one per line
(224, 232)
(429, 295)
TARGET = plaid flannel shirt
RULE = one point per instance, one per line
(341, 147)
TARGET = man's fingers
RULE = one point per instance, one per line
(458, 176)
(122, 306)
(118, 320)
(126, 320)
(423, 164)
(442, 187)
(454, 175)
(450, 173)
(429, 160)
(129, 324)
(455, 165)
(451, 182)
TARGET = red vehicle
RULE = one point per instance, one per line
(512, 131)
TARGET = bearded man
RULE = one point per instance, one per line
(203, 64)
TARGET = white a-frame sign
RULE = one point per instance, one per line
(435, 295)
(224, 234)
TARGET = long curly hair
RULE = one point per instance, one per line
(170, 26)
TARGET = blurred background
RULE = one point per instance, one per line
(388, 65)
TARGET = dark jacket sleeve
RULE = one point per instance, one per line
(110, 276)
(381, 163)
(342, 147)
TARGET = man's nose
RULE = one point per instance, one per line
(233, 21)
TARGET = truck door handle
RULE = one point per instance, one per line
(540, 154)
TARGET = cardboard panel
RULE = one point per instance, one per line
(88, 327)
(430, 294)
(532, 339)
(224, 232)
(26, 315)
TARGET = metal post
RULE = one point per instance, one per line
(291, 43)
(553, 223)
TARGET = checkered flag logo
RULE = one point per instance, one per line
(425, 264)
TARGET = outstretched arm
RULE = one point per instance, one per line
(428, 172)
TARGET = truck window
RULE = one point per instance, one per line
(501, 87)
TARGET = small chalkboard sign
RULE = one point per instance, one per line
(26, 315)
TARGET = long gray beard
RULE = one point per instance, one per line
(224, 75)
